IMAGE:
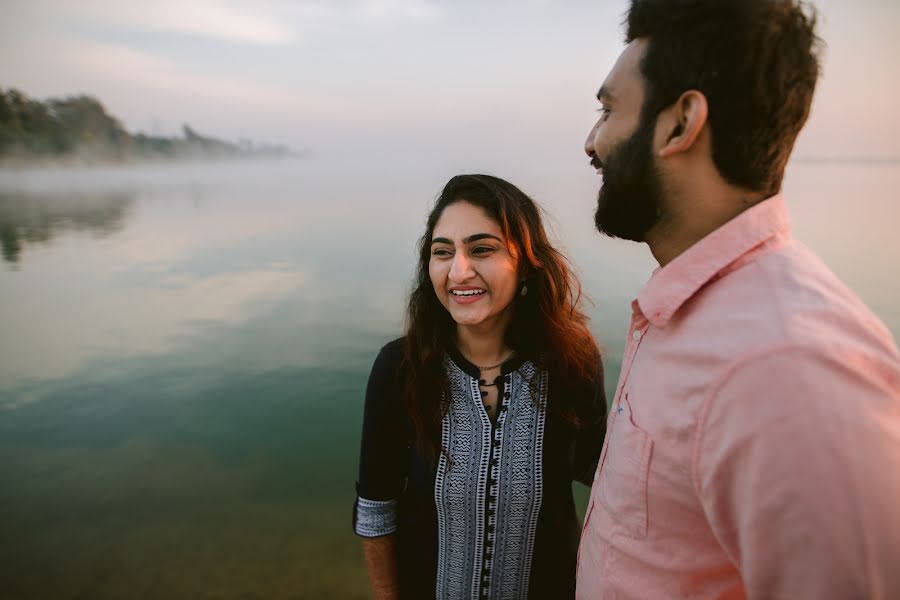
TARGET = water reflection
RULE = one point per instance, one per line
(181, 388)
(28, 218)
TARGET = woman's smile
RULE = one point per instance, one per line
(473, 269)
(467, 295)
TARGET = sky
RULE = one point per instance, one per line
(400, 81)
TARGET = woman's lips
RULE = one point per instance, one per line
(467, 295)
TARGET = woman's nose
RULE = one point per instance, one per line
(461, 269)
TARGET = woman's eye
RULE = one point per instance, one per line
(604, 113)
(440, 252)
(482, 250)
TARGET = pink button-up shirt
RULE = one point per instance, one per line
(753, 446)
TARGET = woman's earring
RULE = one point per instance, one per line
(524, 289)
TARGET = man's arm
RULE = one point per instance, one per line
(797, 465)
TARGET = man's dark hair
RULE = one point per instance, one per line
(757, 63)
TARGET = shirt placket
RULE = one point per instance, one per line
(637, 330)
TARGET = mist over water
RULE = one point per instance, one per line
(184, 353)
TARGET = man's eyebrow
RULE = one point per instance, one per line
(604, 94)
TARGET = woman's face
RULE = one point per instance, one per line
(473, 271)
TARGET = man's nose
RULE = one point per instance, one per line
(589, 142)
(461, 269)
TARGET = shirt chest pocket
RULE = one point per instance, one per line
(623, 485)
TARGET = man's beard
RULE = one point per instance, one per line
(630, 200)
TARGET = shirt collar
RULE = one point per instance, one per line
(671, 286)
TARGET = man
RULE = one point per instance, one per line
(753, 446)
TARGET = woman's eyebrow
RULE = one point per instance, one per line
(480, 236)
(468, 240)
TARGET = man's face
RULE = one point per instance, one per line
(621, 147)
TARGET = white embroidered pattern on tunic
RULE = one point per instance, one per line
(375, 517)
(488, 495)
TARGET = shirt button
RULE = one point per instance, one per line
(636, 334)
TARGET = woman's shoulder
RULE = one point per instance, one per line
(394, 348)
(390, 356)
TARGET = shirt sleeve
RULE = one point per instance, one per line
(382, 459)
(797, 465)
(589, 438)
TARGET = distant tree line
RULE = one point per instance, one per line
(80, 127)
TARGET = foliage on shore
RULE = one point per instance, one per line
(79, 128)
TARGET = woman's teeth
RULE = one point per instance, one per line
(467, 292)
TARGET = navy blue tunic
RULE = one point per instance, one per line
(498, 519)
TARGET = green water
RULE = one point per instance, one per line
(184, 350)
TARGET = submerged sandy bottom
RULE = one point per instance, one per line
(146, 521)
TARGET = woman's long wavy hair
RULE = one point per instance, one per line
(547, 325)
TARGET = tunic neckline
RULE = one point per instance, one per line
(512, 363)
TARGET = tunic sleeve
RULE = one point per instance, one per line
(589, 438)
(382, 465)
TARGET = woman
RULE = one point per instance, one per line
(480, 417)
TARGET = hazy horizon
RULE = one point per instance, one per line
(471, 85)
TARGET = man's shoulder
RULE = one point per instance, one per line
(790, 273)
(810, 293)
(788, 296)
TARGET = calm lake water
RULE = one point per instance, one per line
(184, 351)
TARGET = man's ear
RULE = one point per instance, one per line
(682, 123)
